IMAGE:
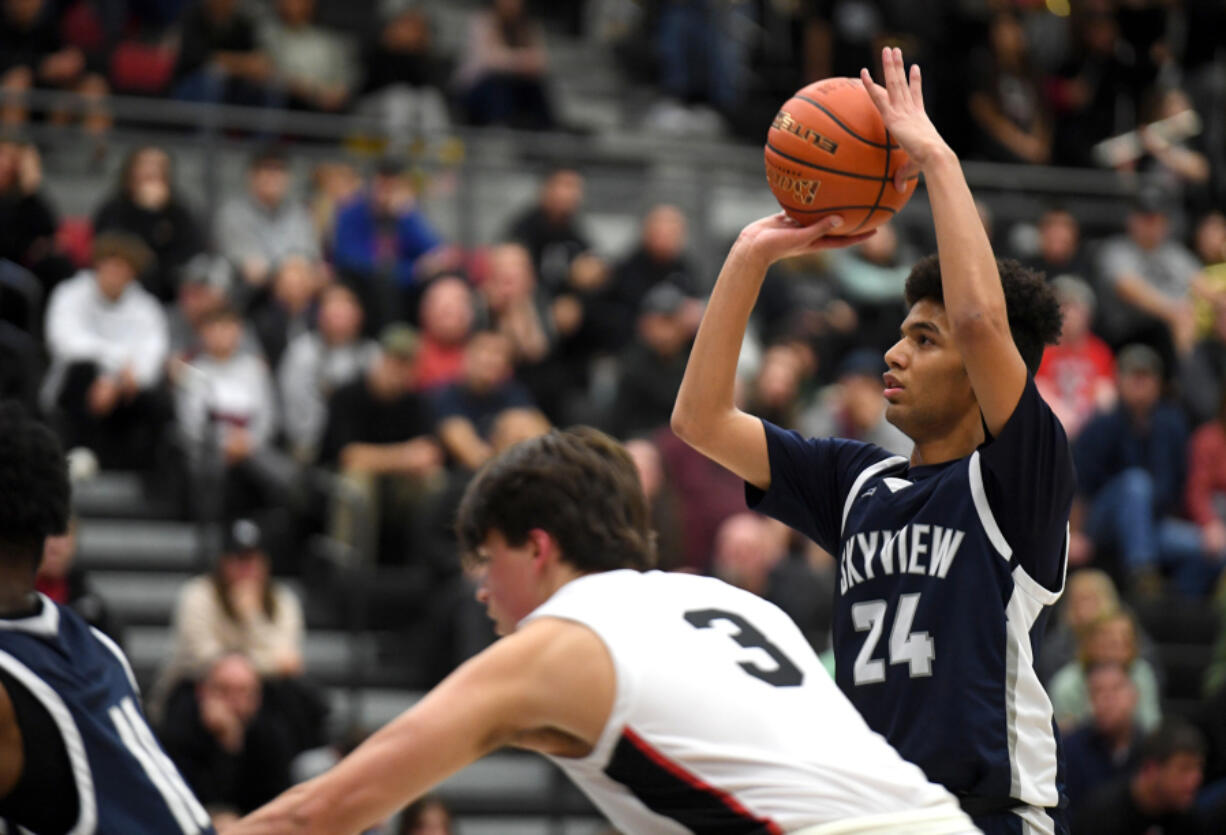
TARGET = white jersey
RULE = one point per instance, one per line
(725, 721)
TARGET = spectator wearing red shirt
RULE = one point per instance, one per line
(1077, 375)
(446, 318)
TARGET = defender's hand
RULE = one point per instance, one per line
(901, 104)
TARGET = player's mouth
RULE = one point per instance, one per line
(892, 386)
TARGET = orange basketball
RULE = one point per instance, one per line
(828, 152)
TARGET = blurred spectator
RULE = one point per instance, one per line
(333, 184)
(1158, 795)
(147, 204)
(107, 338)
(1146, 281)
(227, 414)
(1177, 165)
(1077, 375)
(658, 257)
(63, 580)
(203, 286)
(384, 245)
(1089, 595)
(1105, 746)
(236, 608)
(751, 553)
(1206, 486)
(503, 69)
(514, 305)
(1131, 465)
(1060, 250)
(264, 226)
(310, 62)
(870, 278)
(774, 392)
(379, 438)
(1007, 102)
(426, 816)
(703, 50)
(319, 362)
(446, 315)
(1209, 247)
(33, 54)
(289, 310)
(1112, 639)
(661, 500)
(467, 409)
(707, 494)
(27, 218)
(1094, 92)
(220, 60)
(21, 366)
(404, 78)
(550, 229)
(853, 407)
(227, 749)
(651, 367)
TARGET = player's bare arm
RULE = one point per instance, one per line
(11, 754)
(705, 415)
(550, 687)
(974, 299)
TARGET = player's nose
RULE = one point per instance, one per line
(895, 357)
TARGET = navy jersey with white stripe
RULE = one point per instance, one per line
(120, 779)
(945, 575)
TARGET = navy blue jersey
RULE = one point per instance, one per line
(945, 574)
(123, 781)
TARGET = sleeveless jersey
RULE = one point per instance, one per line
(939, 611)
(724, 720)
(124, 782)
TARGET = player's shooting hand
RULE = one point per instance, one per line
(901, 104)
(779, 236)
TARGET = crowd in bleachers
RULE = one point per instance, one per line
(318, 358)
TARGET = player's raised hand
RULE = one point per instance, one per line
(778, 236)
(901, 104)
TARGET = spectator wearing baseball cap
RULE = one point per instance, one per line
(379, 438)
(108, 341)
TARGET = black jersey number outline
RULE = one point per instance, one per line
(785, 674)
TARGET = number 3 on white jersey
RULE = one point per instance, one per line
(138, 739)
(906, 647)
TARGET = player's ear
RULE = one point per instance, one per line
(544, 547)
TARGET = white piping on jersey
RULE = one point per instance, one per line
(946, 819)
(45, 624)
(985, 510)
(106, 641)
(1035, 821)
(865, 474)
(1028, 711)
(87, 814)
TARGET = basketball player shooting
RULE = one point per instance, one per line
(947, 562)
(677, 703)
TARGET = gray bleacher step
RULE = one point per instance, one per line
(370, 707)
(138, 544)
(148, 597)
(327, 653)
(110, 494)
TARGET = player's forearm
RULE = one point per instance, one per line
(969, 277)
(708, 388)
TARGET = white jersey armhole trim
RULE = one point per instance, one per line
(616, 721)
(865, 474)
(1037, 590)
(106, 641)
(87, 815)
(980, 498)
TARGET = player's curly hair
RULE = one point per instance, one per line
(1034, 312)
(34, 490)
(579, 485)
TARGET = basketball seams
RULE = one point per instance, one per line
(880, 191)
(842, 125)
(773, 149)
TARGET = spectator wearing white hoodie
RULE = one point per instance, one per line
(108, 341)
